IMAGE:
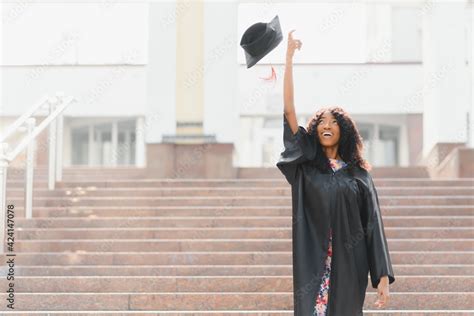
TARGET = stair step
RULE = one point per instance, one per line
(230, 221)
(221, 284)
(367, 312)
(126, 211)
(219, 245)
(227, 201)
(96, 180)
(222, 192)
(219, 301)
(218, 232)
(241, 270)
(394, 172)
(228, 258)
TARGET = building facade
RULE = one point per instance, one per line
(173, 73)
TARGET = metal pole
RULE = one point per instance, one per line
(52, 146)
(115, 150)
(59, 141)
(3, 193)
(30, 157)
(140, 147)
(470, 60)
(59, 147)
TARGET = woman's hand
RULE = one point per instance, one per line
(382, 292)
(288, 100)
(293, 44)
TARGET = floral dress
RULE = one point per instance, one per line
(320, 306)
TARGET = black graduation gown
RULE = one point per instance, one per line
(346, 201)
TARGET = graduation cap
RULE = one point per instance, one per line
(260, 39)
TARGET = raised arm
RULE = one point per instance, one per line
(288, 99)
(299, 145)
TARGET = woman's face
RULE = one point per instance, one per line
(328, 130)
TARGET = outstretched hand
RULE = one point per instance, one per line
(293, 44)
(382, 292)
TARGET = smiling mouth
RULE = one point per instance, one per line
(327, 134)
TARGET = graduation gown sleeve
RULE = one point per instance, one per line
(298, 148)
(377, 250)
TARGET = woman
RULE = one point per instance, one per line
(337, 229)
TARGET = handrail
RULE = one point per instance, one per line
(38, 129)
(22, 119)
(54, 121)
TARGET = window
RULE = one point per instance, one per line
(102, 145)
(388, 137)
(366, 132)
(113, 142)
(80, 146)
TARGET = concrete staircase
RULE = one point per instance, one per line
(114, 240)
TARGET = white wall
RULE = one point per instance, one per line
(365, 88)
(317, 25)
(75, 33)
(406, 33)
(161, 70)
(96, 52)
(118, 90)
(221, 84)
(446, 75)
(341, 32)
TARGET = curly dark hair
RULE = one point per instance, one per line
(350, 146)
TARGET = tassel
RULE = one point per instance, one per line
(272, 76)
